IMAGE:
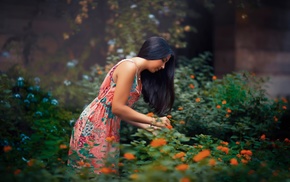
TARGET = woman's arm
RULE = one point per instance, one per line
(124, 76)
(147, 127)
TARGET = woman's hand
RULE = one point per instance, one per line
(162, 122)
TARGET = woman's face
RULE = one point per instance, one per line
(156, 65)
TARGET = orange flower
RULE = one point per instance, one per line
(284, 100)
(87, 164)
(198, 146)
(234, 162)
(218, 106)
(169, 116)
(227, 115)
(246, 152)
(150, 114)
(182, 167)
(181, 122)
(192, 76)
(224, 149)
(17, 171)
(238, 143)
(201, 155)
(62, 146)
(244, 161)
(129, 156)
(263, 137)
(106, 170)
(275, 119)
(100, 72)
(214, 77)
(134, 176)
(158, 142)
(197, 100)
(120, 164)
(247, 157)
(229, 111)
(284, 107)
(179, 155)
(187, 28)
(184, 179)
(30, 162)
(180, 108)
(224, 102)
(224, 143)
(191, 86)
(7, 148)
(212, 162)
(169, 127)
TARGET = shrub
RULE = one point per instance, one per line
(36, 129)
(223, 129)
(232, 107)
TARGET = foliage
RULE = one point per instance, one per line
(232, 107)
(34, 128)
(204, 144)
(209, 159)
(128, 23)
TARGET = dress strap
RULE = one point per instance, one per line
(113, 69)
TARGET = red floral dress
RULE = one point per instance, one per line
(95, 137)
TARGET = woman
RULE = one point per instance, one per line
(96, 133)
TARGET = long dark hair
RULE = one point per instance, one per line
(158, 87)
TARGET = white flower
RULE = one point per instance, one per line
(151, 16)
(133, 6)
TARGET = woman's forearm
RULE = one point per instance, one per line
(147, 127)
(139, 125)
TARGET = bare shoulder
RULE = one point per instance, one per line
(126, 69)
(126, 66)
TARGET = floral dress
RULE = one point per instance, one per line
(95, 136)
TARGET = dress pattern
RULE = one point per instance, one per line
(95, 136)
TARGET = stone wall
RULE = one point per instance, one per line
(39, 25)
(255, 40)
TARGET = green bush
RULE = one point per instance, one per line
(35, 129)
(207, 143)
(170, 158)
(232, 107)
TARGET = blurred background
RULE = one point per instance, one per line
(59, 41)
(231, 83)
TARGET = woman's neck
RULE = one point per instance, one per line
(140, 63)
